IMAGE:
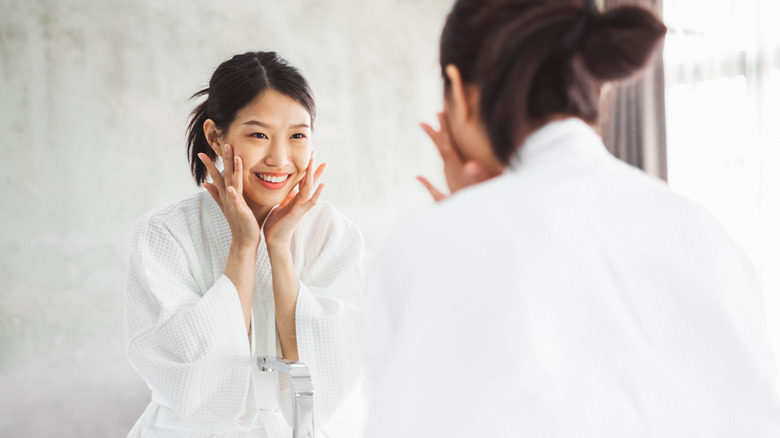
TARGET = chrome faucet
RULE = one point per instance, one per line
(301, 392)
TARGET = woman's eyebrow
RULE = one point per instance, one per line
(267, 126)
(258, 123)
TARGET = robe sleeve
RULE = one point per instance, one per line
(189, 344)
(327, 312)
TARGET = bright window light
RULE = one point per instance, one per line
(722, 71)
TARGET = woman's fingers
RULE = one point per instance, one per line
(442, 139)
(212, 189)
(290, 196)
(319, 171)
(238, 174)
(219, 182)
(308, 178)
(434, 135)
(227, 188)
(303, 196)
(312, 178)
(435, 193)
(234, 198)
(316, 196)
(227, 159)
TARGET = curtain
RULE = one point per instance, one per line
(632, 112)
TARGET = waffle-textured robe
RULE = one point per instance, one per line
(186, 334)
(573, 296)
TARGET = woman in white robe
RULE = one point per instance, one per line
(254, 266)
(569, 295)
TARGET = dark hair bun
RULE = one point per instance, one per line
(619, 42)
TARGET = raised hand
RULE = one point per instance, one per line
(227, 191)
(282, 220)
(459, 173)
(435, 193)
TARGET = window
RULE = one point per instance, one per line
(722, 72)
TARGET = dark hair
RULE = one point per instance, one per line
(234, 84)
(532, 59)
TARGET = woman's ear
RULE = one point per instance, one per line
(465, 97)
(212, 136)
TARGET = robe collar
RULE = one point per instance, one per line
(564, 141)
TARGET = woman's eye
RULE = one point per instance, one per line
(259, 135)
(297, 136)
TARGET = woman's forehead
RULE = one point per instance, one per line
(272, 109)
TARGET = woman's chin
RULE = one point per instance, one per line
(262, 199)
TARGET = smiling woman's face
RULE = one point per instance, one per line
(272, 135)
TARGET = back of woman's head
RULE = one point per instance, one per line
(534, 59)
(234, 84)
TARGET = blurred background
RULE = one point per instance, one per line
(94, 99)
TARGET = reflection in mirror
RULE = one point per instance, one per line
(94, 113)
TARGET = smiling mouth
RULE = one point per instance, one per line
(274, 179)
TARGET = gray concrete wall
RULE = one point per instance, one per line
(93, 107)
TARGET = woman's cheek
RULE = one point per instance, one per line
(248, 178)
(302, 162)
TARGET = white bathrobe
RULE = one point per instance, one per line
(186, 334)
(573, 296)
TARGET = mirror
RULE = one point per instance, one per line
(94, 110)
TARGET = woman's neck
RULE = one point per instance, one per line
(260, 211)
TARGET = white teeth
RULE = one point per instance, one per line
(272, 179)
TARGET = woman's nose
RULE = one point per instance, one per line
(277, 154)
